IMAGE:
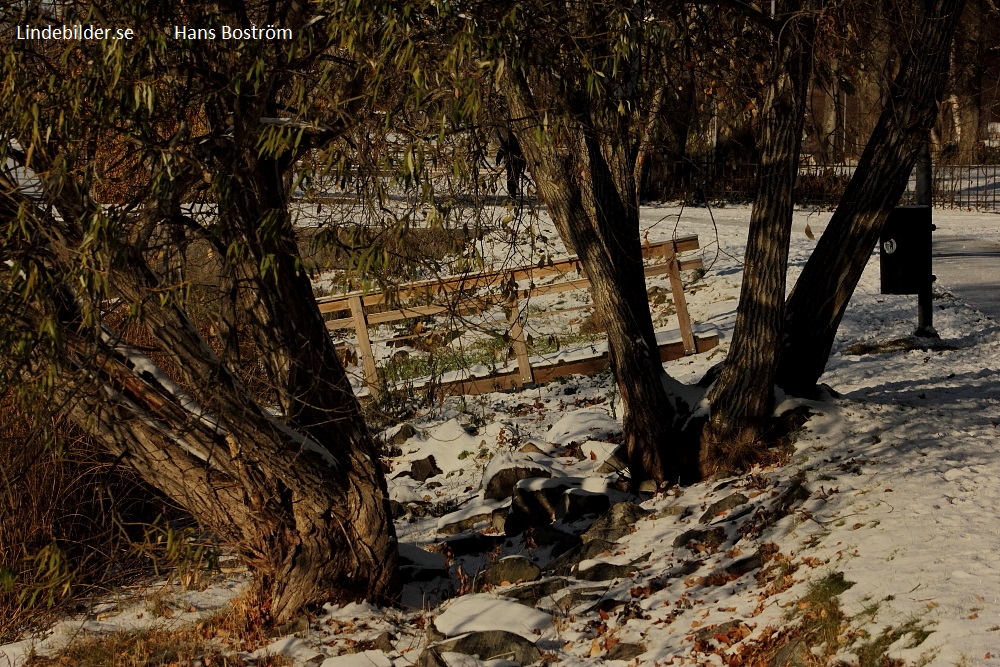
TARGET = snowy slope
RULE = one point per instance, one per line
(895, 484)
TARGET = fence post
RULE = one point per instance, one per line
(520, 345)
(364, 345)
(680, 304)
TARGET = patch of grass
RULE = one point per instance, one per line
(148, 648)
(491, 352)
(872, 652)
(819, 610)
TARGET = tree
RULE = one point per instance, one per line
(821, 294)
(742, 398)
(127, 164)
(573, 94)
(575, 81)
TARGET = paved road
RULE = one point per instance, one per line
(970, 268)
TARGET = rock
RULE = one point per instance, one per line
(734, 570)
(714, 537)
(423, 469)
(416, 564)
(722, 506)
(482, 612)
(469, 545)
(648, 486)
(610, 457)
(579, 503)
(605, 572)
(535, 505)
(509, 570)
(579, 595)
(671, 510)
(625, 651)
(532, 448)
(534, 592)
(486, 645)
(382, 641)
(461, 525)
(368, 658)
(501, 483)
(498, 518)
(744, 565)
(402, 434)
(467, 518)
(550, 536)
(567, 562)
(617, 523)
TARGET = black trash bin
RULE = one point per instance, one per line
(905, 251)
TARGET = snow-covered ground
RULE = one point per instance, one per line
(894, 483)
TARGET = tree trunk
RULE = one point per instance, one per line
(819, 299)
(587, 183)
(304, 505)
(742, 398)
(301, 498)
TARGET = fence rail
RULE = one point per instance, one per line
(477, 292)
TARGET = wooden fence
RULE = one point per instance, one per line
(475, 292)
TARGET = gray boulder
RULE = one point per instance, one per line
(618, 522)
(509, 570)
(486, 645)
(723, 506)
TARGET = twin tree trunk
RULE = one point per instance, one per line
(819, 299)
(300, 496)
(588, 187)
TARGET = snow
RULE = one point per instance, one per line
(583, 425)
(362, 659)
(900, 468)
(476, 613)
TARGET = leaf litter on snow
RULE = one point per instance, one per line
(891, 490)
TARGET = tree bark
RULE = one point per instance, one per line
(586, 180)
(293, 484)
(819, 299)
(742, 397)
(300, 497)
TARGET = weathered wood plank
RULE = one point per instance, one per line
(547, 373)
(331, 304)
(364, 344)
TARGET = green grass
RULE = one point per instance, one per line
(490, 352)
